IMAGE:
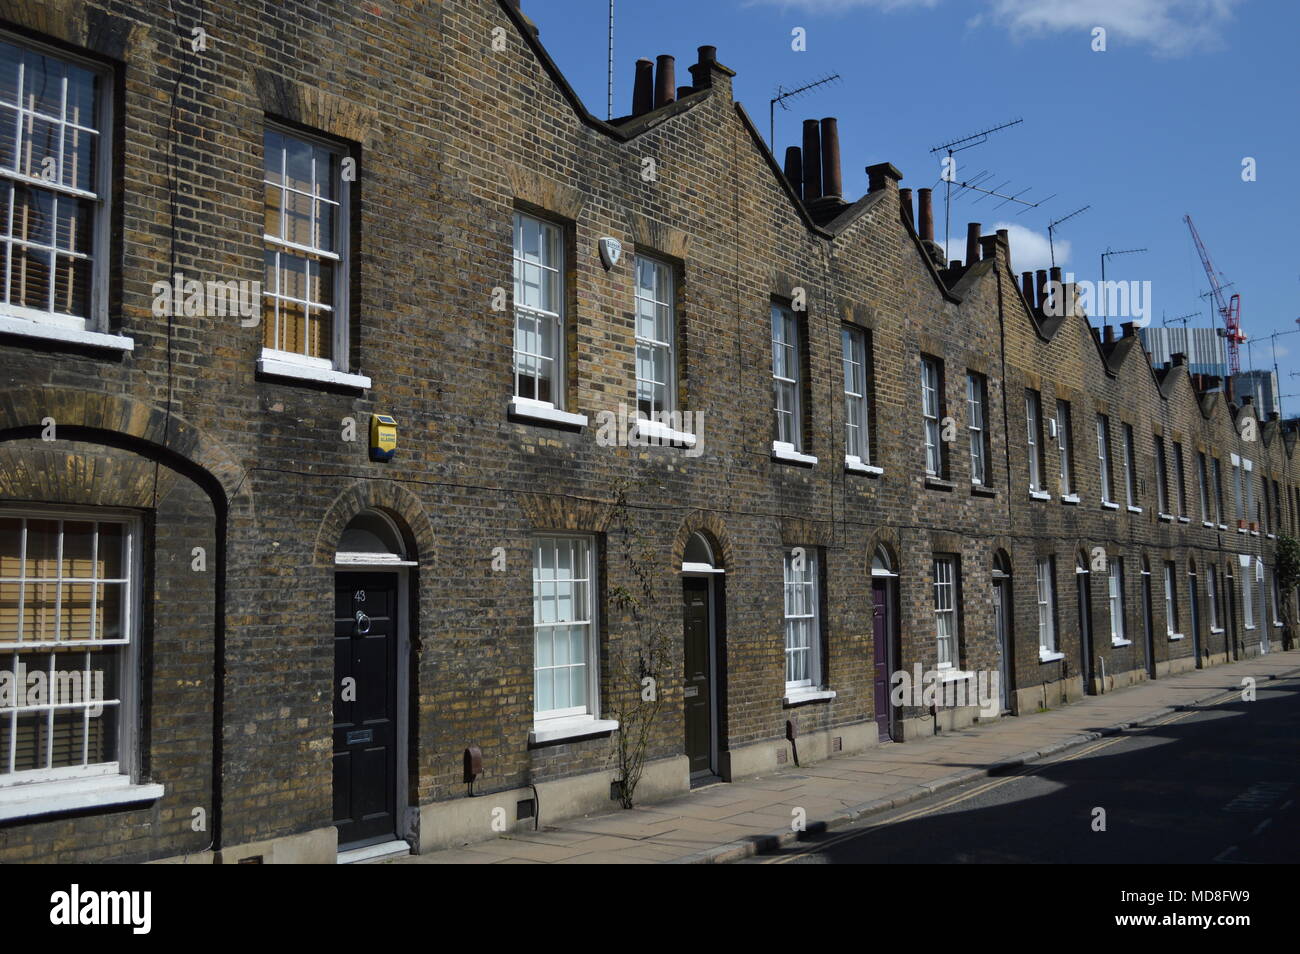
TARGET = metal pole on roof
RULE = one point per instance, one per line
(609, 106)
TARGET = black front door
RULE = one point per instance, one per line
(365, 707)
(882, 636)
(1148, 626)
(1085, 628)
(698, 684)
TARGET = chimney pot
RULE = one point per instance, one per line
(1027, 287)
(1128, 329)
(794, 169)
(1040, 279)
(684, 91)
(972, 243)
(643, 91)
(1109, 336)
(925, 214)
(905, 206)
(832, 184)
(812, 161)
(665, 80)
(1054, 287)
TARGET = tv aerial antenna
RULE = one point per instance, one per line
(949, 175)
(1051, 230)
(782, 94)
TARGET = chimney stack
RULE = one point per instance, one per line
(812, 160)
(643, 90)
(905, 205)
(972, 242)
(794, 169)
(665, 81)
(925, 213)
(832, 184)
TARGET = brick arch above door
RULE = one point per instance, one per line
(393, 499)
(711, 525)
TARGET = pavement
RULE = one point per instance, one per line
(730, 821)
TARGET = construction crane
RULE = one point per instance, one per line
(1230, 309)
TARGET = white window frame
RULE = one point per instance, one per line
(1162, 478)
(787, 397)
(1045, 571)
(1171, 600)
(1203, 481)
(931, 408)
(1115, 584)
(666, 347)
(1103, 458)
(946, 612)
(857, 435)
(1247, 589)
(551, 238)
(976, 423)
(1180, 477)
(1212, 594)
(1130, 473)
(1064, 444)
(274, 360)
(585, 545)
(128, 676)
(809, 622)
(1033, 440)
(93, 327)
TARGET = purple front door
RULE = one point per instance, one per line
(881, 636)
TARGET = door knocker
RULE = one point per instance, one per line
(363, 623)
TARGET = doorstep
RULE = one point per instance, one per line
(371, 853)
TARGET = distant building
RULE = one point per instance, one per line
(1262, 386)
(1204, 348)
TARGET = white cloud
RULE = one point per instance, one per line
(1169, 27)
(1029, 249)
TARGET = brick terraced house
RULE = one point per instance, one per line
(239, 235)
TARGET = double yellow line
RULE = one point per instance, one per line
(979, 789)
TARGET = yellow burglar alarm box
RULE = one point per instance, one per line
(383, 437)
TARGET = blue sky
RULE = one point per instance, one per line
(1153, 128)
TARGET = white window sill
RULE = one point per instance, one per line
(1272, 536)
(1133, 509)
(1120, 642)
(797, 697)
(1254, 533)
(1175, 636)
(1277, 622)
(1049, 657)
(1184, 519)
(1223, 526)
(573, 727)
(955, 675)
(858, 466)
(661, 433)
(78, 336)
(47, 798)
(1110, 505)
(1167, 518)
(1241, 529)
(545, 412)
(786, 452)
(1040, 495)
(1207, 523)
(1070, 499)
(1216, 629)
(1251, 628)
(275, 367)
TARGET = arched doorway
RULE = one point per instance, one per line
(884, 600)
(1083, 581)
(371, 680)
(1003, 621)
(703, 622)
